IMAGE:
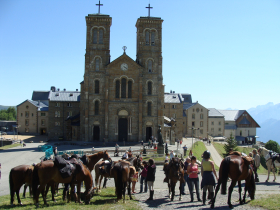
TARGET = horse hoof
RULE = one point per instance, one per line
(266, 180)
(273, 180)
(21, 204)
(212, 206)
(12, 204)
(180, 199)
(230, 206)
(47, 205)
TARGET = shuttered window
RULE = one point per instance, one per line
(123, 88)
(94, 38)
(117, 89)
(129, 93)
(100, 36)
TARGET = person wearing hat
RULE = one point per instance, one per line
(207, 172)
(257, 162)
(125, 155)
(143, 177)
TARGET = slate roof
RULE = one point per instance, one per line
(187, 106)
(231, 115)
(40, 105)
(172, 98)
(64, 96)
(244, 121)
(187, 97)
(40, 95)
(214, 113)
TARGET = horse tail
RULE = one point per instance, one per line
(11, 182)
(253, 186)
(119, 181)
(35, 182)
(225, 171)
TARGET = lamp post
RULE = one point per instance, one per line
(197, 134)
(192, 129)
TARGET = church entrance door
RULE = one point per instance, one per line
(123, 129)
(96, 133)
(148, 133)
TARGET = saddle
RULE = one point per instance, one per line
(67, 167)
(106, 167)
(274, 156)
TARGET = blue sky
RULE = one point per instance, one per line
(224, 53)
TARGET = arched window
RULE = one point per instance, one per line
(150, 88)
(129, 90)
(150, 65)
(97, 62)
(96, 107)
(94, 38)
(147, 37)
(123, 88)
(149, 109)
(100, 36)
(96, 87)
(153, 34)
(118, 89)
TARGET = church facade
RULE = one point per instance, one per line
(122, 100)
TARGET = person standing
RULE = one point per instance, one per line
(186, 176)
(208, 172)
(143, 177)
(190, 154)
(171, 155)
(181, 143)
(151, 174)
(185, 148)
(257, 162)
(55, 151)
(193, 172)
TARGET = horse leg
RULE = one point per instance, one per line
(96, 181)
(180, 198)
(129, 190)
(53, 191)
(230, 189)
(169, 189)
(123, 191)
(79, 192)
(100, 180)
(172, 190)
(245, 189)
(18, 198)
(216, 191)
(24, 190)
(274, 169)
(42, 191)
(268, 172)
(240, 190)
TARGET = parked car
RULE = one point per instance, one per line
(3, 133)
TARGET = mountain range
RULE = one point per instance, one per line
(268, 117)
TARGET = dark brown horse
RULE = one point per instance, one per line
(121, 173)
(237, 168)
(134, 161)
(19, 175)
(46, 172)
(175, 173)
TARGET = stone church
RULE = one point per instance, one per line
(122, 100)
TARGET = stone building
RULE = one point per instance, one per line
(32, 116)
(216, 123)
(121, 100)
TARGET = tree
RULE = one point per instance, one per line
(10, 114)
(231, 143)
(272, 145)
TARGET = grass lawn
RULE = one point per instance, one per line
(220, 149)
(198, 150)
(271, 202)
(104, 200)
(9, 146)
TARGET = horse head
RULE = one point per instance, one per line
(106, 155)
(89, 195)
(139, 163)
(175, 167)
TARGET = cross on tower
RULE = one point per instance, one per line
(99, 6)
(124, 48)
(149, 8)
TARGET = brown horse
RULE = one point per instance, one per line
(19, 175)
(134, 161)
(46, 172)
(237, 168)
(175, 173)
(93, 159)
(121, 173)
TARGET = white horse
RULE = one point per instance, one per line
(265, 153)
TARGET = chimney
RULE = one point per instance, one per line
(77, 90)
(170, 91)
(173, 91)
(53, 88)
(58, 89)
(64, 89)
(39, 102)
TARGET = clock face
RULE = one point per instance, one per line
(124, 67)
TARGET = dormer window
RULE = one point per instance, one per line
(71, 94)
(69, 104)
(57, 94)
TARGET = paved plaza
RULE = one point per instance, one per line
(27, 155)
